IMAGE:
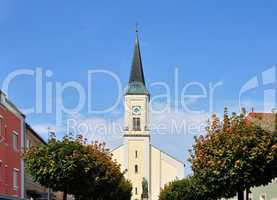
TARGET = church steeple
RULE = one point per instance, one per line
(136, 74)
(136, 83)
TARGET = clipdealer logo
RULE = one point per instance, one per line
(266, 81)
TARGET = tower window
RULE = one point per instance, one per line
(136, 169)
(136, 154)
(136, 190)
(136, 123)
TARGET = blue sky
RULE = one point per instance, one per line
(207, 41)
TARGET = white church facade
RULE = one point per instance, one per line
(140, 159)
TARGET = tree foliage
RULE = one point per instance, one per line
(234, 155)
(188, 188)
(74, 167)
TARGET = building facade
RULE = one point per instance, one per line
(137, 155)
(268, 192)
(33, 189)
(268, 122)
(12, 135)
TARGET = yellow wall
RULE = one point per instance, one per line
(136, 178)
(164, 169)
(118, 155)
(155, 172)
(154, 165)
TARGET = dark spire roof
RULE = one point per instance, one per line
(136, 80)
(136, 74)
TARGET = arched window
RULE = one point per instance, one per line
(136, 124)
(136, 169)
(136, 154)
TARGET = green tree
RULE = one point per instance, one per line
(74, 167)
(176, 190)
(123, 192)
(234, 155)
(189, 189)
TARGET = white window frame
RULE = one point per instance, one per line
(1, 171)
(15, 146)
(28, 143)
(2, 129)
(5, 134)
(15, 179)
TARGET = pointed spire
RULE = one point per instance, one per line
(136, 74)
(136, 80)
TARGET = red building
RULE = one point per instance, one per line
(12, 134)
(265, 120)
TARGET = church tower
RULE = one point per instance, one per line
(147, 167)
(136, 132)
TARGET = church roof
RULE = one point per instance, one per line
(136, 83)
(172, 157)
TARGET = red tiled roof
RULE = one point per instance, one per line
(266, 120)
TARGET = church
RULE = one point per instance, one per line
(147, 167)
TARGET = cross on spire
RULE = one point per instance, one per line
(136, 32)
(137, 27)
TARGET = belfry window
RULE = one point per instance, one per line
(136, 169)
(136, 124)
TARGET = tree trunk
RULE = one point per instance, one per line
(64, 195)
(240, 195)
(247, 193)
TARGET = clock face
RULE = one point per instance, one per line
(136, 110)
